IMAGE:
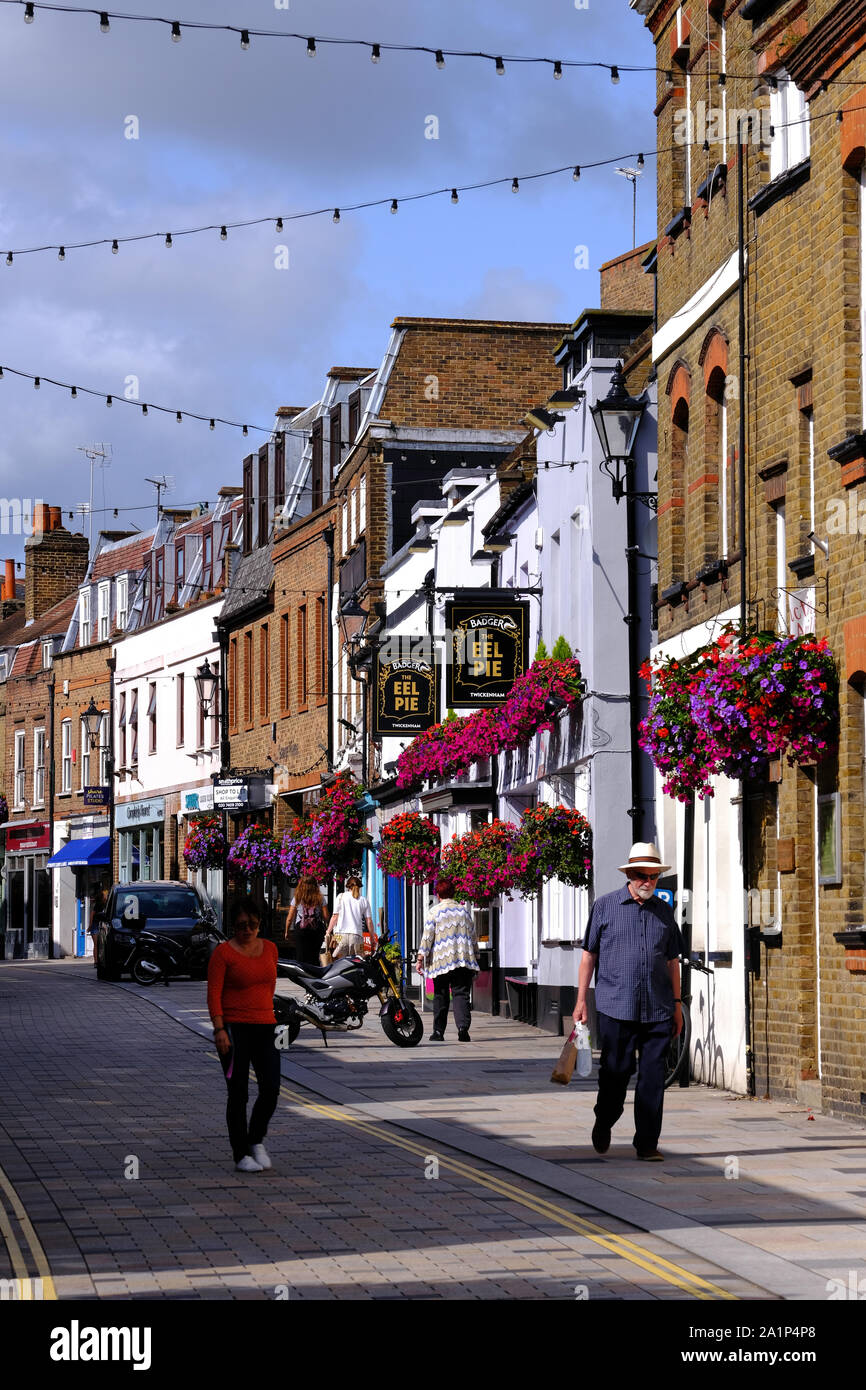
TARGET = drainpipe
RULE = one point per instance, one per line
(328, 537)
(632, 620)
(741, 472)
(51, 804)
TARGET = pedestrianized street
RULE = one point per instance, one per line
(451, 1172)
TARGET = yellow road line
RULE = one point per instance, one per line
(692, 1284)
(43, 1268)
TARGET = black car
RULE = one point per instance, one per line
(164, 906)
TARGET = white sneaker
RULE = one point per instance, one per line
(249, 1165)
(260, 1155)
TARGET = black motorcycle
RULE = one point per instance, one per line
(336, 996)
(156, 957)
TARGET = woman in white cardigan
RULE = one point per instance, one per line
(448, 954)
(350, 920)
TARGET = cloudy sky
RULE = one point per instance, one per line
(216, 327)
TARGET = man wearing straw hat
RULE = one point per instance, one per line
(633, 942)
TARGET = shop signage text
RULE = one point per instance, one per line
(140, 812)
(407, 695)
(489, 634)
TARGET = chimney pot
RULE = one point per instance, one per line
(56, 519)
(9, 580)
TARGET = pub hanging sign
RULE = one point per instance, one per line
(407, 692)
(488, 635)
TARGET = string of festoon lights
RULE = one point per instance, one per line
(313, 44)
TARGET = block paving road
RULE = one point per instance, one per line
(102, 1081)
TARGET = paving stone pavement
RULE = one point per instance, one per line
(98, 1075)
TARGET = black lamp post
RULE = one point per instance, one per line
(206, 683)
(617, 419)
(92, 719)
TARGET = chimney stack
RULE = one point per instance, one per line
(55, 562)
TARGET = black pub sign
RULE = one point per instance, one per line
(407, 691)
(488, 636)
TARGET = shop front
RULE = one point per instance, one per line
(81, 866)
(141, 839)
(27, 933)
(247, 801)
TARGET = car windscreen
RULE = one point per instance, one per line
(157, 902)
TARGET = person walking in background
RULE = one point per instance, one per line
(308, 912)
(100, 898)
(241, 979)
(448, 953)
(634, 941)
(350, 920)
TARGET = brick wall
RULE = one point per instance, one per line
(625, 284)
(804, 349)
(53, 565)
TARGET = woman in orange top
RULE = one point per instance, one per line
(241, 979)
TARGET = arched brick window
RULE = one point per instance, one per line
(672, 506)
(716, 482)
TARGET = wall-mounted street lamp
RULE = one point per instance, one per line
(617, 419)
(92, 720)
(567, 398)
(206, 684)
(540, 419)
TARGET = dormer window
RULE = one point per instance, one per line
(122, 601)
(47, 655)
(104, 610)
(84, 617)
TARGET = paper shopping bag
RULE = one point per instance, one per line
(561, 1073)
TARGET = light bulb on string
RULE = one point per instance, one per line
(336, 216)
(557, 69)
(1, 373)
(279, 224)
(109, 402)
(375, 53)
(73, 391)
(179, 417)
(640, 161)
(245, 39)
(311, 48)
(223, 234)
(104, 24)
(245, 430)
(114, 247)
(440, 58)
(61, 253)
(175, 32)
(454, 197)
(669, 81)
(500, 68)
(168, 240)
(213, 424)
(393, 204)
(36, 383)
(144, 410)
(576, 174)
(722, 79)
(29, 13)
(8, 257)
(614, 74)
(515, 186)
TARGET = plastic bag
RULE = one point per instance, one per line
(584, 1050)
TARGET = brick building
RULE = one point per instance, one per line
(448, 394)
(55, 563)
(797, 843)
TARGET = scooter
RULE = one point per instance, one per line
(335, 998)
(155, 957)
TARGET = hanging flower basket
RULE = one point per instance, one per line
(205, 843)
(4, 810)
(410, 848)
(324, 844)
(254, 852)
(450, 748)
(553, 842)
(481, 862)
(732, 707)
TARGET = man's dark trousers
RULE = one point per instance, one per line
(621, 1040)
(457, 983)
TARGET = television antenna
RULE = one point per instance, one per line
(164, 483)
(99, 455)
(632, 175)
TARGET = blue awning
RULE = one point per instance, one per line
(82, 854)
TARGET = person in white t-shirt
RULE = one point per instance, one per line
(350, 920)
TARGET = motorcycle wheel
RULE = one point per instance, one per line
(142, 976)
(410, 1029)
(286, 1014)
